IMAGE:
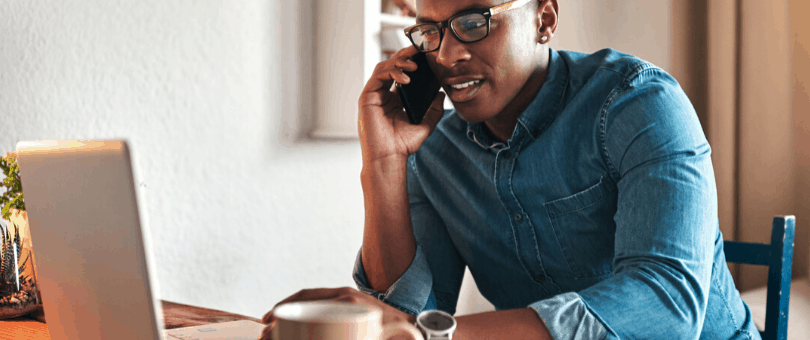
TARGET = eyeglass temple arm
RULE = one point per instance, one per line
(507, 6)
(492, 11)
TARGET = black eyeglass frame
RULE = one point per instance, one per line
(487, 13)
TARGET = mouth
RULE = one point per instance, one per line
(462, 89)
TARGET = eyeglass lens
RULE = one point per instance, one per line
(426, 37)
(468, 28)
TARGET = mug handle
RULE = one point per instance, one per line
(403, 327)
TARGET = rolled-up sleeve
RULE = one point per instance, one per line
(410, 293)
(666, 221)
(567, 317)
(433, 279)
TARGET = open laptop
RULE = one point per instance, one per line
(93, 264)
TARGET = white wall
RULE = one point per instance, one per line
(211, 96)
(638, 27)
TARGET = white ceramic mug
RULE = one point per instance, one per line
(329, 320)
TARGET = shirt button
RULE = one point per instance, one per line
(540, 278)
(518, 217)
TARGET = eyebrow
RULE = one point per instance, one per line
(422, 20)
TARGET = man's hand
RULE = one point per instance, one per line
(383, 126)
(345, 294)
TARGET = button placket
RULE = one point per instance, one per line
(524, 233)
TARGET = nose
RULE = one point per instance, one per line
(451, 50)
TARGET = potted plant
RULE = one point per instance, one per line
(18, 291)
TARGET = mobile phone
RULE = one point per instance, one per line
(417, 95)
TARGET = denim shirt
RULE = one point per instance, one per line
(600, 212)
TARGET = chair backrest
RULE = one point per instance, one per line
(778, 257)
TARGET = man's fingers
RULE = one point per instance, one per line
(304, 295)
(267, 318)
(407, 52)
(384, 78)
(345, 294)
(405, 64)
(393, 72)
(266, 332)
(348, 298)
(384, 75)
(393, 68)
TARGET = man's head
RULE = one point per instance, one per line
(495, 69)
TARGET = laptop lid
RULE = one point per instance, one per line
(87, 240)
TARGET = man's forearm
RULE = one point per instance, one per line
(388, 242)
(513, 324)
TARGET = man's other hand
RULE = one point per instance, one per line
(345, 294)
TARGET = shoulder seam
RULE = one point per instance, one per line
(637, 70)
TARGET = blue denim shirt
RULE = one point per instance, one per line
(600, 212)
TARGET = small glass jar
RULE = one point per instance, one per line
(18, 288)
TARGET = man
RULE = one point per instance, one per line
(577, 188)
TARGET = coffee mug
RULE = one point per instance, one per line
(329, 320)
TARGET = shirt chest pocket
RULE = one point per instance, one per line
(584, 227)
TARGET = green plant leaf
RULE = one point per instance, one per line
(8, 255)
(13, 195)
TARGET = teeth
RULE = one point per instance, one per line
(465, 85)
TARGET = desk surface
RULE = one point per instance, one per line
(175, 315)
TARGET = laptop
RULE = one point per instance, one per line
(92, 258)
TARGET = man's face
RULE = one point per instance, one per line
(499, 65)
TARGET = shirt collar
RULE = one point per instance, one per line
(540, 112)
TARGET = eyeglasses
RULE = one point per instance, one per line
(468, 27)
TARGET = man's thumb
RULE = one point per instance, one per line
(436, 111)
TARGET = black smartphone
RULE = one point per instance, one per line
(417, 95)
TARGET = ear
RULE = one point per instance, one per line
(547, 17)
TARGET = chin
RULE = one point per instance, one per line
(469, 115)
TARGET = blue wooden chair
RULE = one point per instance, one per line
(778, 256)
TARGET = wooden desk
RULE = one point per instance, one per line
(175, 315)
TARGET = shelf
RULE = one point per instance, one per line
(342, 66)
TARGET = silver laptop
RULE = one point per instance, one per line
(93, 267)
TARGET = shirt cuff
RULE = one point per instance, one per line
(567, 317)
(410, 293)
